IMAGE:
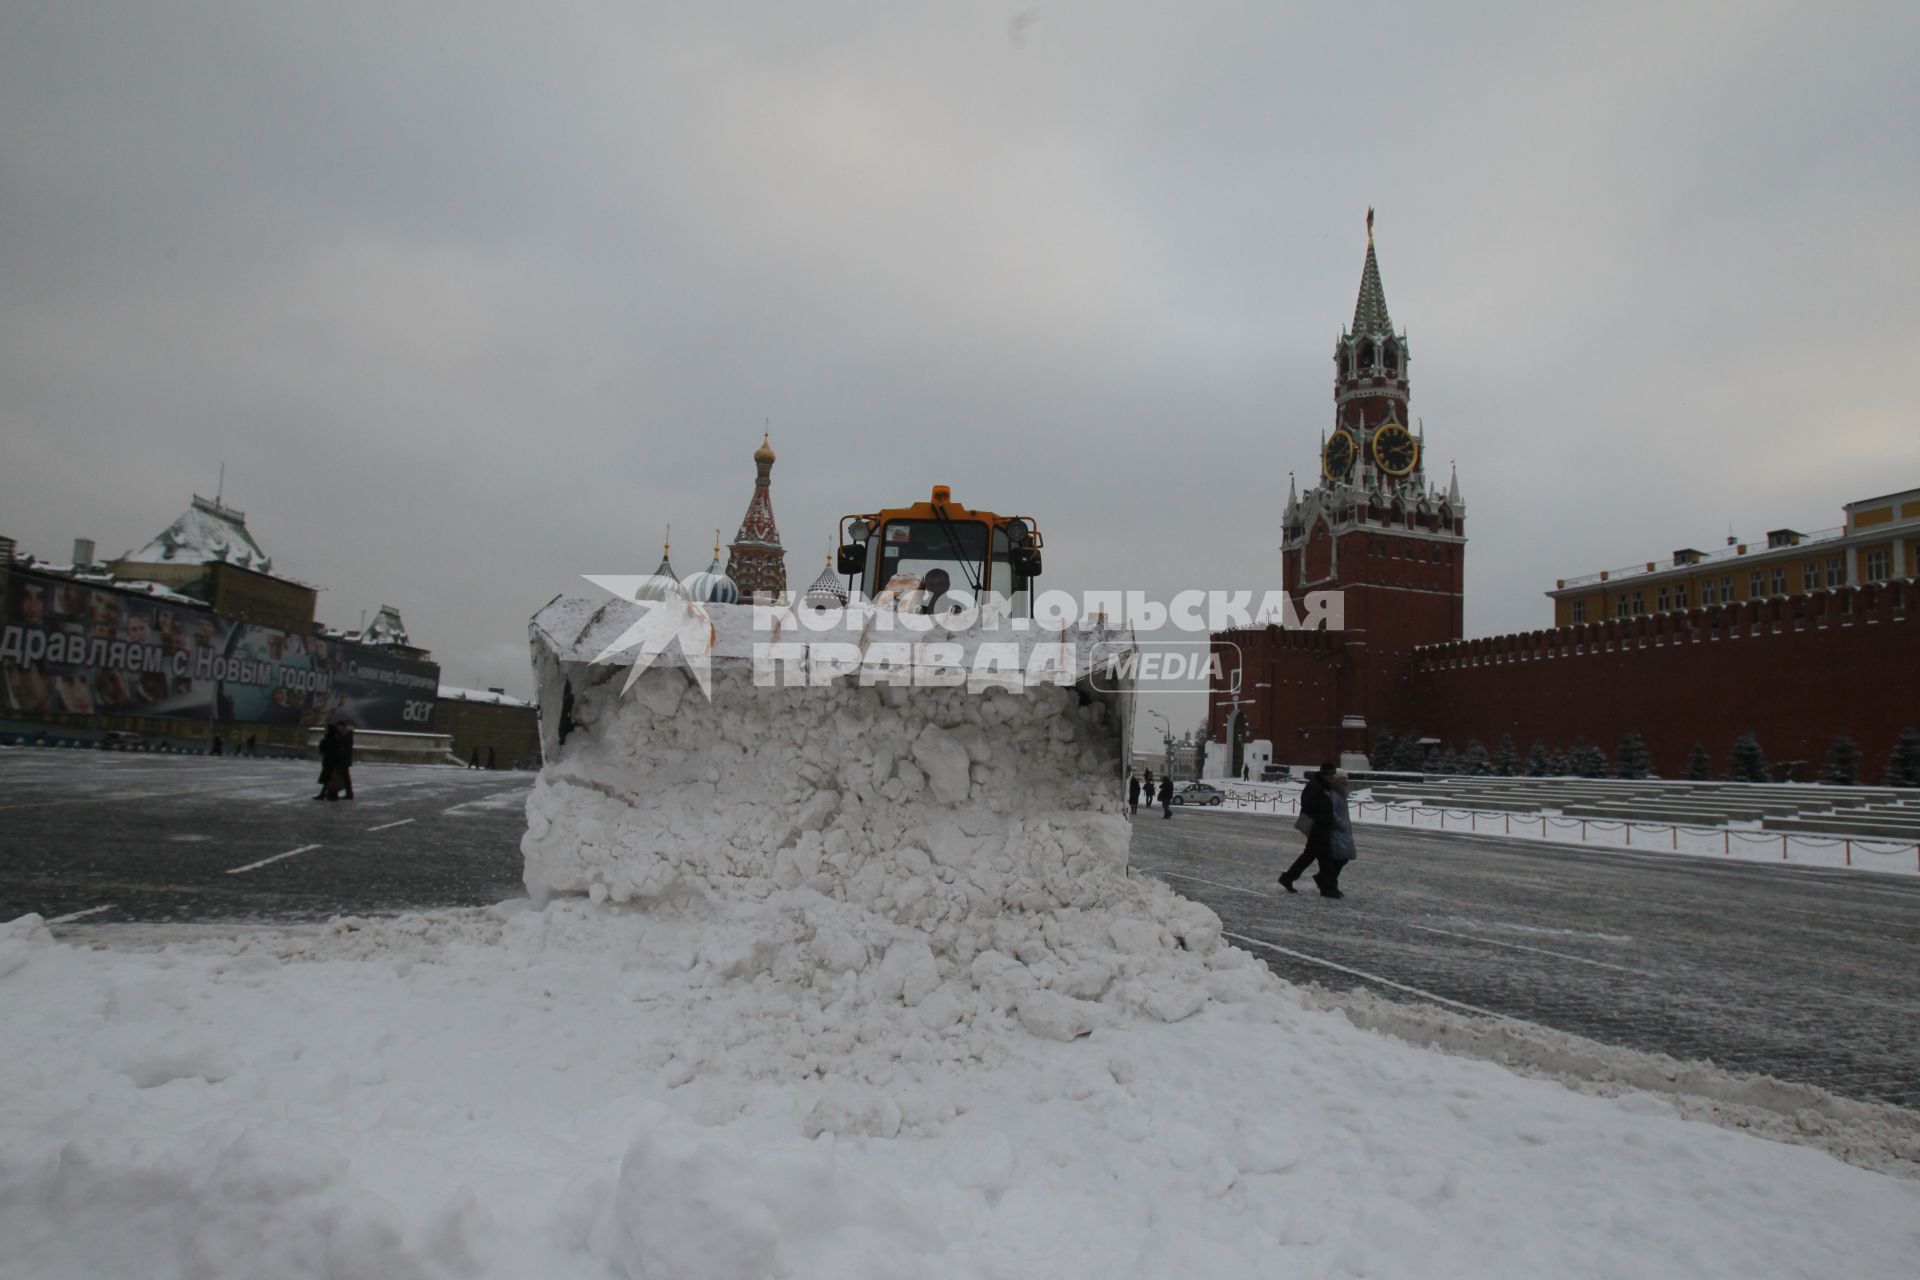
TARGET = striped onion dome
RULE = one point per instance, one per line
(712, 586)
(664, 584)
(826, 591)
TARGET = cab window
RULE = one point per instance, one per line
(917, 547)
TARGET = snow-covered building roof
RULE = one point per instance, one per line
(493, 696)
(209, 531)
(95, 578)
(386, 628)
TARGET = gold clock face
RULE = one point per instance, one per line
(1337, 462)
(1395, 451)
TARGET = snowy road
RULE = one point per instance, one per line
(1808, 975)
(105, 838)
(1803, 974)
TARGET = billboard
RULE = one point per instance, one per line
(70, 647)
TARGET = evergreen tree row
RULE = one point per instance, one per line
(1747, 762)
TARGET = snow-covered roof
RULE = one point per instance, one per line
(386, 628)
(481, 695)
(95, 578)
(208, 532)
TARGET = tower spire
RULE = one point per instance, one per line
(756, 561)
(1370, 309)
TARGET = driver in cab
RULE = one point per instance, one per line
(933, 589)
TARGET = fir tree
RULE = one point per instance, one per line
(1537, 760)
(1558, 765)
(1843, 763)
(1631, 759)
(1382, 756)
(1699, 764)
(1505, 763)
(1587, 760)
(1748, 763)
(1447, 762)
(1474, 761)
(1903, 766)
(1410, 756)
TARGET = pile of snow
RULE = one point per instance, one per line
(841, 983)
(913, 838)
(596, 1091)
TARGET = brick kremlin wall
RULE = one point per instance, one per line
(1798, 671)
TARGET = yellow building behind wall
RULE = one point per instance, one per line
(1880, 540)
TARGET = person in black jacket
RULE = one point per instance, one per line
(330, 764)
(346, 759)
(1166, 797)
(1133, 794)
(1316, 802)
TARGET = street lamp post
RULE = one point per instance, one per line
(1166, 741)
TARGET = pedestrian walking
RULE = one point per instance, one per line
(1344, 849)
(253, 747)
(219, 747)
(1146, 785)
(1133, 795)
(474, 763)
(1317, 820)
(330, 764)
(1166, 797)
(346, 759)
(491, 762)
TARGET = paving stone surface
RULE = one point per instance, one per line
(1801, 973)
(128, 837)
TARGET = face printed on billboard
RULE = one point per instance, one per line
(86, 650)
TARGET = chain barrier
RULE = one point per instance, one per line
(1387, 808)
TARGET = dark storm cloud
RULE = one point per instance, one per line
(474, 299)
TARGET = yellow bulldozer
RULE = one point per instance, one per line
(682, 764)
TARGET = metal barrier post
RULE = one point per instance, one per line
(1783, 848)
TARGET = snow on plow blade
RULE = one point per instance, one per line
(946, 774)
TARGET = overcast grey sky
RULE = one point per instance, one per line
(473, 298)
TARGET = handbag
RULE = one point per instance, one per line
(1304, 824)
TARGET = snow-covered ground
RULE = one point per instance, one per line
(1736, 841)
(589, 1090)
(899, 1010)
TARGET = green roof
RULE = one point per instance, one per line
(1370, 311)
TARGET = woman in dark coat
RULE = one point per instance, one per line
(345, 773)
(330, 764)
(1166, 797)
(1316, 803)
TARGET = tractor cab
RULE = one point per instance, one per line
(948, 557)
